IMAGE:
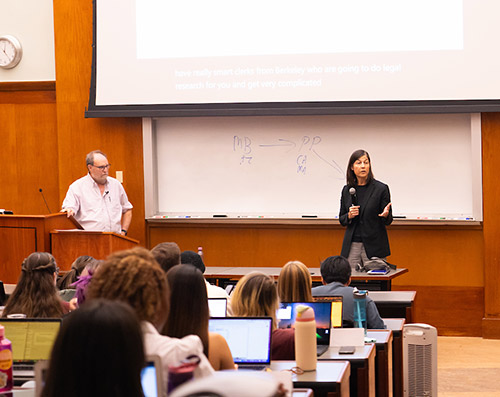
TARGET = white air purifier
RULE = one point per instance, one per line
(420, 360)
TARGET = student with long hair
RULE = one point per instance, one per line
(35, 294)
(76, 270)
(107, 353)
(133, 276)
(295, 283)
(256, 295)
(189, 314)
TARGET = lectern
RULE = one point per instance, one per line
(67, 245)
(20, 235)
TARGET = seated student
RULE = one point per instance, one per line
(83, 281)
(255, 295)
(72, 275)
(98, 352)
(336, 275)
(133, 276)
(167, 255)
(189, 314)
(295, 283)
(213, 291)
(35, 294)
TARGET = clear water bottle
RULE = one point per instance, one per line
(200, 253)
(360, 309)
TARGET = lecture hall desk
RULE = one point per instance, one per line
(362, 380)
(362, 280)
(331, 378)
(383, 361)
(396, 326)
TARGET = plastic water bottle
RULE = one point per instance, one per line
(6, 382)
(305, 338)
(200, 253)
(360, 309)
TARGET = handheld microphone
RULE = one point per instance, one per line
(45, 201)
(354, 198)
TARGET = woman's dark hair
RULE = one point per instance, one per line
(35, 294)
(76, 270)
(107, 353)
(189, 312)
(350, 176)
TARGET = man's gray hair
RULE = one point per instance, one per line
(89, 160)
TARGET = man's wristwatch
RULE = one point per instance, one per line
(124, 231)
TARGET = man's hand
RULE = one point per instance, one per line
(69, 211)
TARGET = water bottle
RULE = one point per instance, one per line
(305, 338)
(200, 253)
(6, 382)
(181, 372)
(360, 309)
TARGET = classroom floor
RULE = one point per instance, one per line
(468, 367)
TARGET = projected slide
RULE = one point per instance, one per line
(276, 27)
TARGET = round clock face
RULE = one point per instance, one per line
(10, 52)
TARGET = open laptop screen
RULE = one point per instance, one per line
(249, 338)
(322, 314)
(32, 338)
(217, 307)
(337, 307)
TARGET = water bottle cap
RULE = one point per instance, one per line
(304, 313)
(360, 293)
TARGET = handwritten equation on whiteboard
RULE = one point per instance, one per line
(305, 147)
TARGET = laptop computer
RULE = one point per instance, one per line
(322, 314)
(217, 307)
(249, 339)
(32, 340)
(151, 377)
(337, 308)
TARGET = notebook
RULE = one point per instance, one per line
(217, 307)
(32, 340)
(151, 377)
(337, 308)
(322, 314)
(249, 339)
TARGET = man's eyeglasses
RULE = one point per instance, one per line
(102, 167)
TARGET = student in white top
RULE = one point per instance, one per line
(98, 201)
(196, 260)
(133, 276)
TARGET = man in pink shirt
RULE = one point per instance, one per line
(98, 201)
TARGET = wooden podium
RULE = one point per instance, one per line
(20, 235)
(67, 245)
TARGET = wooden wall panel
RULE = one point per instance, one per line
(119, 138)
(454, 311)
(434, 255)
(29, 149)
(491, 206)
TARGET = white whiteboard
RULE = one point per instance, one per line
(295, 166)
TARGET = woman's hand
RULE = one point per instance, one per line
(385, 213)
(353, 211)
